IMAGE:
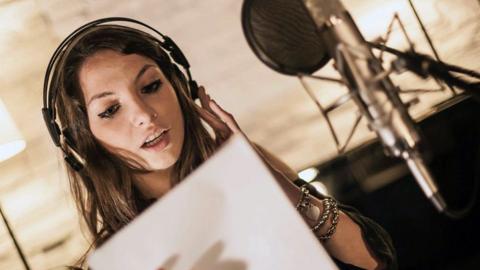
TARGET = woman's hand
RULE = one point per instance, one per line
(222, 122)
(224, 125)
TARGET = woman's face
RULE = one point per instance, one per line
(132, 108)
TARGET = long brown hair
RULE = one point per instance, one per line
(103, 190)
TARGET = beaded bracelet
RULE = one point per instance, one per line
(333, 226)
(329, 207)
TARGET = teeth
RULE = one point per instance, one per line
(153, 137)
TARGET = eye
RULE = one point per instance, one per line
(152, 87)
(110, 111)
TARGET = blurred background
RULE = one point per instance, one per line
(272, 109)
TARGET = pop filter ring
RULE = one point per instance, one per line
(263, 55)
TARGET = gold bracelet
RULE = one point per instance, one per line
(333, 226)
(327, 205)
(329, 209)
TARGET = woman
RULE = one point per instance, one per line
(127, 109)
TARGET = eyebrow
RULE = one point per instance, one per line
(108, 93)
(142, 71)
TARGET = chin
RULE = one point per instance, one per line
(162, 167)
(165, 159)
(163, 163)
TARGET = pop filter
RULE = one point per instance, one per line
(283, 36)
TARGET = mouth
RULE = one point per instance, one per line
(157, 140)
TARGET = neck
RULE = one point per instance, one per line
(154, 185)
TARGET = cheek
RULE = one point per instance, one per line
(177, 121)
(169, 106)
(109, 135)
(181, 128)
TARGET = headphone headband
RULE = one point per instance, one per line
(58, 136)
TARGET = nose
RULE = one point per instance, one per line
(142, 113)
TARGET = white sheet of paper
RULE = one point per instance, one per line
(229, 214)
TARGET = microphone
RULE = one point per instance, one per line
(284, 32)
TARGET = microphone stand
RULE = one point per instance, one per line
(372, 91)
(424, 66)
(12, 236)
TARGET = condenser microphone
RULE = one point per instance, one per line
(298, 37)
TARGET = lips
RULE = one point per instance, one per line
(157, 141)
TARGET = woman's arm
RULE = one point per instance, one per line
(347, 243)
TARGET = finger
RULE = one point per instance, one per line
(204, 99)
(210, 116)
(225, 116)
(223, 129)
(220, 129)
(213, 120)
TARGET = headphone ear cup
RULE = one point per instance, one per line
(192, 90)
(68, 138)
(69, 157)
(52, 126)
(73, 162)
(179, 58)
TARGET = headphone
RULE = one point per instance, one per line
(61, 137)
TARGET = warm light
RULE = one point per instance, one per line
(11, 140)
(308, 174)
(320, 187)
(311, 174)
(10, 149)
